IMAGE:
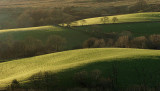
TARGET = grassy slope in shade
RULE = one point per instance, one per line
(137, 29)
(136, 17)
(96, 58)
(74, 38)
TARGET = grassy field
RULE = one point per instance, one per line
(73, 38)
(139, 24)
(67, 62)
(136, 17)
(137, 29)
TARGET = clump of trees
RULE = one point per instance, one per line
(125, 40)
(94, 43)
(55, 43)
(139, 42)
(31, 47)
(94, 80)
(105, 19)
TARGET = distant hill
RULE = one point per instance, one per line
(63, 3)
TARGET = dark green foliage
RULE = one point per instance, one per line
(14, 85)
(44, 80)
(93, 79)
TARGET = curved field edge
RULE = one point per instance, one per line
(22, 69)
(125, 18)
(73, 38)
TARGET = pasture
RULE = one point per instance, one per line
(125, 18)
(132, 65)
(137, 29)
(73, 38)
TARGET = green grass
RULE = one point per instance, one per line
(135, 17)
(137, 29)
(139, 24)
(69, 62)
(73, 38)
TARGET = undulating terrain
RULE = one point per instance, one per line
(83, 43)
(68, 62)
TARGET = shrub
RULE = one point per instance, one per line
(122, 41)
(114, 19)
(94, 43)
(105, 19)
(155, 41)
(110, 42)
(96, 74)
(106, 83)
(139, 42)
(32, 46)
(82, 78)
(44, 80)
(15, 84)
(89, 43)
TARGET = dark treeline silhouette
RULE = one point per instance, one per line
(11, 49)
(122, 40)
(29, 47)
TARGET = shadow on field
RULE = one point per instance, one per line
(131, 74)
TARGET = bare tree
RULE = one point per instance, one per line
(123, 41)
(55, 43)
(155, 41)
(105, 19)
(139, 42)
(114, 19)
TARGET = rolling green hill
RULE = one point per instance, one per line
(139, 24)
(125, 18)
(146, 61)
(73, 38)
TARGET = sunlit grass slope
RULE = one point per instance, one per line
(57, 62)
(135, 17)
(73, 38)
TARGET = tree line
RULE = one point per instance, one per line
(125, 41)
(11, 49)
